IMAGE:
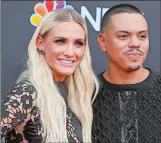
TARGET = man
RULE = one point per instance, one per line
(128, 106)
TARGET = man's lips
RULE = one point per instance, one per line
(133, 55)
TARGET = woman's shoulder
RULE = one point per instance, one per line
(24, 85)
(22, 89)
(18, 105)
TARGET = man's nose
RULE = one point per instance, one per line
(134, 42)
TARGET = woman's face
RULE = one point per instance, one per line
(64, 47)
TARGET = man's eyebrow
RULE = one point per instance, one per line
(123, 31)
(143, 31)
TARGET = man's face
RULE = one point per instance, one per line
(126, 41)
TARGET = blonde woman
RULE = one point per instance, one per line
(52, 100)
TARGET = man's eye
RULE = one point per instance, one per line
(142, 37)
(122, 36)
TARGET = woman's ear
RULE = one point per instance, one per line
(39, 43)
(101, 41)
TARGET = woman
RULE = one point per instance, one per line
(52, 100)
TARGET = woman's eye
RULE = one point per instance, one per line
(60, 41)
(79, 43)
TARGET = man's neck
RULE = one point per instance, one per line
(119, 76)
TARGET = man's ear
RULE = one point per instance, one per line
(39, 42)
(101, 41)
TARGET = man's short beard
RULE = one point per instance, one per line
(134, 68)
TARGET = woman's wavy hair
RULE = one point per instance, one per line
(82, 84)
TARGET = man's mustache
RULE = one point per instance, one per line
(133, 50)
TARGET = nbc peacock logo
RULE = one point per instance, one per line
(46, 6)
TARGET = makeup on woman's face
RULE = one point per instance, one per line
(64, 47)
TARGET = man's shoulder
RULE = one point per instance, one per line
(100, 75)
(158, 74)
(104, 85)
(155, 83)
(158, 78)
(101, 79)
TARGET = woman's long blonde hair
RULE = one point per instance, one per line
(82, 84)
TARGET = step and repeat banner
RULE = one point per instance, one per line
(17, 30)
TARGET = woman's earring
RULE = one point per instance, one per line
(82, 57)
(41, 52)
(103, 50)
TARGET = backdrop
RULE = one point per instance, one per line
(17, 32)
